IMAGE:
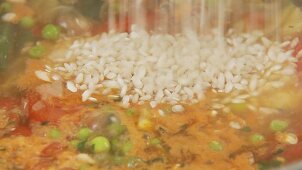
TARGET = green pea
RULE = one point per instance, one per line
(27, 22)
(257, 138)
(278, 125)
(51, 32)
(215, 146)
(36, 52)
(84, 133)
(5, 7)
(116, 129)
(55, 133)
(100, 144)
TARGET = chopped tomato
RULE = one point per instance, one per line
(37, 29)
(298, 48)
(41, 111)
(9, 103)
(99, 28)
(22, 130)
(52, 150)
(293, 152)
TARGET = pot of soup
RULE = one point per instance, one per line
(141, 84)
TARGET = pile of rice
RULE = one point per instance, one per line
(174, 69)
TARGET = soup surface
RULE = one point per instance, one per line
(75, 97)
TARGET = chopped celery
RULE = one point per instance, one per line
(257, 138)
(278, 125)
(55, 133)
(215, 146)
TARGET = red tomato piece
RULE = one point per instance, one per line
(9, 103)
(37, 29)
(22, 130)
(39, 110)
(293, 153)
(298, 48)
(52, 150)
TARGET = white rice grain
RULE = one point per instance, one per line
(71, 86)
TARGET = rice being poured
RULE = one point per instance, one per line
(174, 69)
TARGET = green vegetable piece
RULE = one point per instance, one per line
(5, 7)
(84, 133)
(100, 144)
(271, 164)
(7, 37)
(55, 133)
(278, 151)
(257, 138)
(215, 146)
(51, 32)
(278, 125)
(36, 52)
(116, 129)
(81, 146)
(27, 22)
(130, 112)
(74, 143)
(127, 147)
(239, 107)
(155, 141)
